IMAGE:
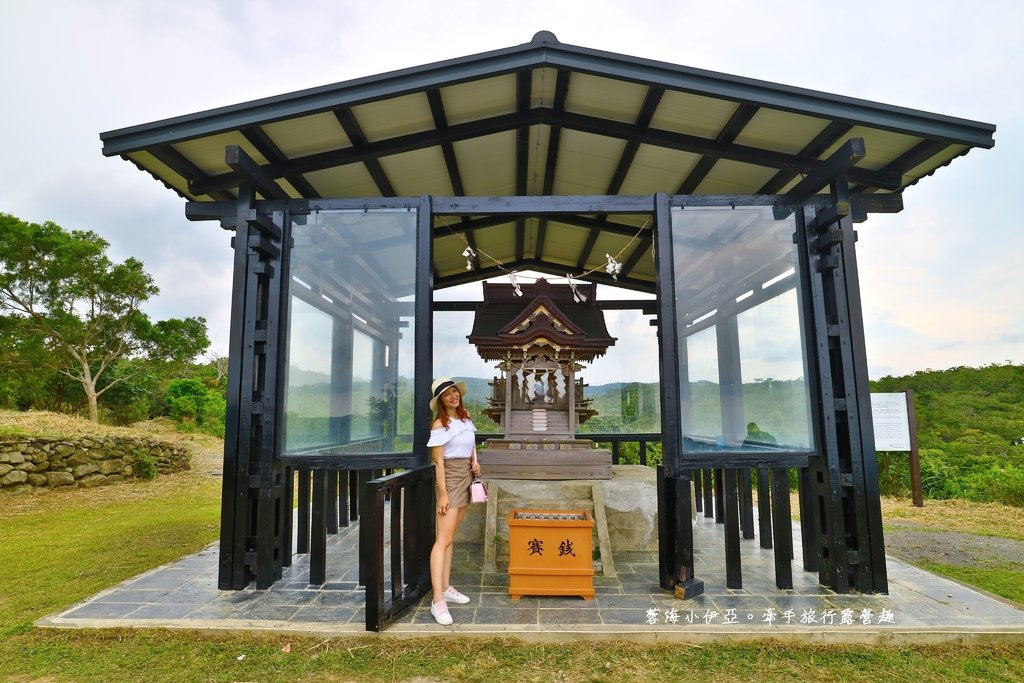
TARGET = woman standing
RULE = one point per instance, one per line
(453, 447)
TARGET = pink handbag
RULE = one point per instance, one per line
(478, 491)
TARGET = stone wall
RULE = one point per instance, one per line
(84, 461)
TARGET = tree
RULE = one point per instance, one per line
(62, 290)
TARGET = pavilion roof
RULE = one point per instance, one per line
(543, 118)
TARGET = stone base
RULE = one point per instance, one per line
(625, 510)
(550, 459)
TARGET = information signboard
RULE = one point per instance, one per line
(892, 422)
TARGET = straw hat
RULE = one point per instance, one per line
(441, 385)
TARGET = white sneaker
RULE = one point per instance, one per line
(453, 595)
(439, 610)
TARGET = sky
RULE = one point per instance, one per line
(940, 282)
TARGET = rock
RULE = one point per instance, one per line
(55, 479)
(92, 480)
(4, 469)
(13, 477)
(79, 458)
(37, 479)
(84, 470)
(111, 466)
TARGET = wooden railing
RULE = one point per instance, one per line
(410, 529)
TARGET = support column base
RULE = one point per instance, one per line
(690, 588)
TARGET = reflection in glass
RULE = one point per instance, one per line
(308, 406)
(705, 413)
(351, 333)
(775, 392)
(742, 353)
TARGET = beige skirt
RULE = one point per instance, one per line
(457, 478)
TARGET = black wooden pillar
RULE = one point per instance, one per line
(840, 501)
(675, 531)
(256, 500)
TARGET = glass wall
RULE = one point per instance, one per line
(743, 369)
(350, 350)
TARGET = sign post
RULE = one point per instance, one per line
(896, 430)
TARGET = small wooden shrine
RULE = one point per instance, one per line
(540, 334)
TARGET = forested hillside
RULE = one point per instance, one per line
(967, 422)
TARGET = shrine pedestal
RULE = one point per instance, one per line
(551, 459)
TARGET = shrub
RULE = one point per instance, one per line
(192, 403)
(145, 464)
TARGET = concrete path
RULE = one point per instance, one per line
(920, 607)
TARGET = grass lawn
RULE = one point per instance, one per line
(62, 546)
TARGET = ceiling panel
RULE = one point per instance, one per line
(393, 117)
(418, 172)
(606, 98)
(693, 114)
(305, 135)
(483, 163)
(780, 131)
(586, 162)
(479, 99)
(208, 153)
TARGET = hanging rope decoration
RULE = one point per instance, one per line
(470, 254)
(515, 285)
(577, 296)
(612, 265)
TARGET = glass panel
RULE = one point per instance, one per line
(775, 391)
(364, 350)
(308, 406)
(742, 352)
(351, 333)
(704, 417)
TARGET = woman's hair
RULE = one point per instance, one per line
(460, 412)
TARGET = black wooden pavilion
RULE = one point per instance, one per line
(352, 203)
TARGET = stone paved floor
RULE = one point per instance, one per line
(920, 607)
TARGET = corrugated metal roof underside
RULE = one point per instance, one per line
(545, 118)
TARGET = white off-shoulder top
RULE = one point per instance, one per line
(458, 440)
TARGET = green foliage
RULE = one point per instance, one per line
(967, 420)
(193, 404)
(145, 464)
(66, 307)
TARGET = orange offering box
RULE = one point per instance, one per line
(550, 553)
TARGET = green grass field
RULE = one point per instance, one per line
(60, 547)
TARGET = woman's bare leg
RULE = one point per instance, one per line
(460, 514)
(441, 553)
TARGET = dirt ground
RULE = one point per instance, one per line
(915, 544)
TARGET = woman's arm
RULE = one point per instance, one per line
(437, 452)
(474, 464)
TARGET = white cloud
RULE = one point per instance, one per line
(939, 281)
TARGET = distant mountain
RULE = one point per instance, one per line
(299, 377)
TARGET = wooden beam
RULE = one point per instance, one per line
(246, 168)
(840, 163)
